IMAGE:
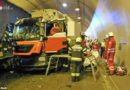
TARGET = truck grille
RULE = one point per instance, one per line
(23, 48)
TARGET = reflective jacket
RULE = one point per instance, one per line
(111, 45)
(84, 43)
(106, 44)
(95, 47)
(77, 51)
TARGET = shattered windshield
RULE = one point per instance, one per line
(27, 30)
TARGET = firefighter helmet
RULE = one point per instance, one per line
(110, 34)
(78, 39)
(69, 40)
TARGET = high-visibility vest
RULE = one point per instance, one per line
(103, 44)
(77, 52)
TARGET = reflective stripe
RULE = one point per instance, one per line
(76, 59)
(73, 74)
(111, 50)
(84, 49)
(5, 48)
(69, 52)
(77, 74)
(76, 50)
(77, 47)
(65, 65)
(70, 48)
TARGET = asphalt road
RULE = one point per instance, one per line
(54, 81)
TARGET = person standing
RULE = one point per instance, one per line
(111, 52)
(102, 47)
(90, 44)
(84, 42)
(95, 45)
(106, 48)
(76, 59)
(96, 49)
(87, 41)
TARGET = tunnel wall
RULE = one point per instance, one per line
(9, 14)
(113, 16)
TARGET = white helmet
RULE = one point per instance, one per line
(110, 34)
(78, 39)
(106, 36)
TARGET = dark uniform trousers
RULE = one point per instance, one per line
(76, 68)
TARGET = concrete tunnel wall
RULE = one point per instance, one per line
(113, 15)
(9, 14)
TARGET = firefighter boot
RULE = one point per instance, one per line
(73, 79)
(77, 78)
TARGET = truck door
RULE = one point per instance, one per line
(54, 43)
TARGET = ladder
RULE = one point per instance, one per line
(57, 61)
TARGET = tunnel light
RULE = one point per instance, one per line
(78, 18)
(77, 9)
(64, 4)
(1, 8)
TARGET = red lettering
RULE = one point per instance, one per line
(0, 4)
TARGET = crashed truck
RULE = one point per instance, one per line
(40, 36)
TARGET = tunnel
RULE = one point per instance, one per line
(38, 40)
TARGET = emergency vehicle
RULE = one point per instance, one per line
(40, 36)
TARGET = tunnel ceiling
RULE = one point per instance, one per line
(87, 8)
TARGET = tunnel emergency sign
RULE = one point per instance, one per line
(0, 6)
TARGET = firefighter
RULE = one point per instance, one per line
(95, 46)
(111, 52)
(84, 42)
(102, 47)
(106, 48)
(66, 63)
(90, 44)
(87, 42)
(69, 45)
(76, 59)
